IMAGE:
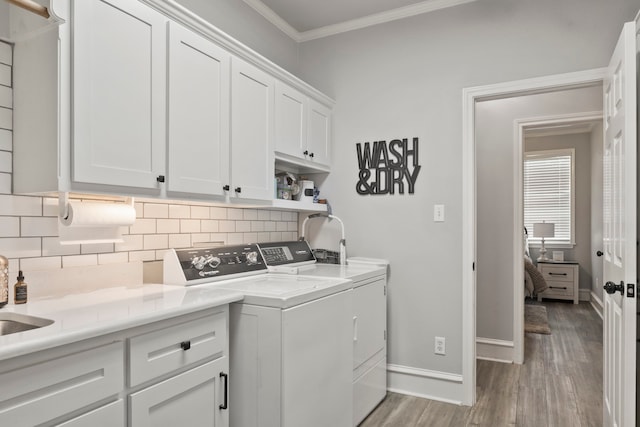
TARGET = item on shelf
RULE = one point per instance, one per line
(306, 191)
(558, 255)
(287, 186)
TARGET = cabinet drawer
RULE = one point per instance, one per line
(557, 273)
(560, 289)
(156, 353)
(37, 393)
(111, 415)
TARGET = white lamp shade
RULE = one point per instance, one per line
(544, 229)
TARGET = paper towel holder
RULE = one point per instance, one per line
(63, 204)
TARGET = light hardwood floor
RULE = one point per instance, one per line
(559, 384)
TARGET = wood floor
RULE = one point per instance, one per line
(559, 384)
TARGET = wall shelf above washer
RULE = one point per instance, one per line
(296, 205)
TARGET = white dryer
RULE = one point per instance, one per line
(369, 313)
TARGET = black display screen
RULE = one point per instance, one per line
(282, 253)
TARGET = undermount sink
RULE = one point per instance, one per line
(11, 323)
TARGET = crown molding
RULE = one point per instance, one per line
(353, 24)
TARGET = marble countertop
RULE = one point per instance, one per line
(86, 315)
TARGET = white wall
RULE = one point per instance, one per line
(4, 20)
(241, 22)
(405, 79)
(596, 210)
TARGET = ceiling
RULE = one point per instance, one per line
(304, 20)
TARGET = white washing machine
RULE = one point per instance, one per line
(369, 314)
(291, 346)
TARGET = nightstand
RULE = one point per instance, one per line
(562, 278)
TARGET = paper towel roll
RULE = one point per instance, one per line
(91, 214)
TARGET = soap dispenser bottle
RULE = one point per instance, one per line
(4, 281)
(20, 288)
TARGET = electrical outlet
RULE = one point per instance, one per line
(440, 347)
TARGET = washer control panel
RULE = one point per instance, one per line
(200, 263)
(283, 253)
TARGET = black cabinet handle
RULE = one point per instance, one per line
(557, 274)
(160, 178)
(225, 187)
(226, 390)
(185, 345)
(557, 287)
(238, 189)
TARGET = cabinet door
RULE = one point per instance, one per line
(291, 121)
(119, 91)
(319, 133)
(198, 114)
(370, 321)
(252, 99)
(192, 399)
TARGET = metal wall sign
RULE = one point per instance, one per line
(387, 168)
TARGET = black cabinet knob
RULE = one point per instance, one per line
(306, 152)
(226, 187)
(160, 178)
(311, 155)
(238, 190)
(599, 253)
(185, 345)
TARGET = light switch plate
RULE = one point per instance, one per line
(438, 213)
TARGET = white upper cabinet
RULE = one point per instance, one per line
(319, 133)
(119, 93)
(198, 104)
(252, 162)
(303, 126)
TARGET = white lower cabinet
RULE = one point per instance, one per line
(195, 398)
(177, 375)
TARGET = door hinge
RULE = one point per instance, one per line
(473, 266)
(385, 290)
(631, 290)
(385, 334)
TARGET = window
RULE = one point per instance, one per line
(549, 193)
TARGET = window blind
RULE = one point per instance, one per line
(548, 193)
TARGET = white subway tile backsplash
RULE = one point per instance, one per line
(289, 235)
(142, 256)
(275, 236)
(250, 237)
(263, 237)
(131, 242)
(235, 239)
(143, 226)
(200, 238)
(179, 211)
(51, 246)
(250, 214)
(139, 207)
(233, 213)
(276, 216)
(5, 162)
(286, 216)
(209, 226)
(217, 213)
(243, 226)
(6, 93)
(6, 118)
(156, 210)
(227, 226)
(41, 263)
(6, 138)
(79, 260)
(168, 226)
(155, 241)
(113, 258)
(292, 226)
(220, 238)
(200, 212)
(20, 205)
(160, 254)
(281, 226)
(50, 207)
(96, 248)
(38, 226)
(257, 226)
(5, 183)
(9, 226)
(264, 215)
(189, 225)
(179, 241)
(5, 54)
(270, 226)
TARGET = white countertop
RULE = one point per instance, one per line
(87, 315)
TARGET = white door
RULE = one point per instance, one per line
(198, 114)
(291, 121)
(252, 102)
(620, 233)
(119, 88)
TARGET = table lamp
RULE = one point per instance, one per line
(543, 229)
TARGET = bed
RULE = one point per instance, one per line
(534, 282)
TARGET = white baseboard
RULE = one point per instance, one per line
(434, 385)
(597, 305)
(495, 350)
(584, 295)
